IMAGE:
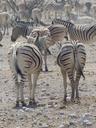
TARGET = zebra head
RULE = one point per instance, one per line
(19, 30)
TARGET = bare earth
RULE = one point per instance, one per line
(50, 112)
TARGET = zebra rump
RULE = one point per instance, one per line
(72, 56)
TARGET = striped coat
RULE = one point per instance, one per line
(71, 61)
(24, 60)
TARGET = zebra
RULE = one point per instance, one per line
(36, 15)
(25, 60)
(85, 34)
(47, 37)
(71, 60)
(4, 22)
(53, 9)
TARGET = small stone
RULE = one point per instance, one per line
(61, 113)
(47, 94)
(43, 90)
(61, 126)
(73, 115)
(86, 115)
(44, 126)
(87, 122)
(62, 106)
(52, 98)
(47, 84)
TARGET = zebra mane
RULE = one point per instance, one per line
(63, 22)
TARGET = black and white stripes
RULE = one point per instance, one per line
(71, 60)
(84, 33)
(24, 60)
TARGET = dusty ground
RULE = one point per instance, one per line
(49, 95)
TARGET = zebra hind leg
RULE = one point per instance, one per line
(77, 100)
(32, 102)
(73, 91)
(17, 89)
(22, 92)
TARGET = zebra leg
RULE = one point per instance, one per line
(17, 87)
(77, 92)
(21, 91)
(4, 30)
(32, 102)
(64, 84)
(30, 91)
(76, 85)
(73, 90)
(7, 29)
(45, 60)
(71, 78)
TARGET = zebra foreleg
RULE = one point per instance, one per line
(45, 60)
(22, 92)
(64, 84)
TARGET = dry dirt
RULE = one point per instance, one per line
(49, 94)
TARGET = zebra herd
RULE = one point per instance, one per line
(25, 56)
(25, 59)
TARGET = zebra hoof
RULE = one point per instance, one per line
(23, 104)
(77, 101)
(65, 102)
(32, 104)
(1, 45)
(46, 69)
(17, 106)
(72, 100)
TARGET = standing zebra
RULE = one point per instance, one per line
(25, 60)
(47, 37)
(71, 60)
(84, 34)
(36, 15)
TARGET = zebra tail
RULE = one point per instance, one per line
(15, 62)
(79, 67)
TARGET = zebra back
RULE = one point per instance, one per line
(83, 33)
(57, 32)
